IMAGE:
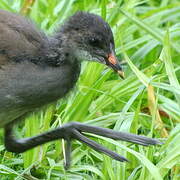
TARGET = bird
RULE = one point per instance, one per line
(37, 69)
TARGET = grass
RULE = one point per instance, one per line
(147, 102)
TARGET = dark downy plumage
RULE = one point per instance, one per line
(36, 70)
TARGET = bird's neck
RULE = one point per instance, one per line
(59, 51)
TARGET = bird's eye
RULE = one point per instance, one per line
(94, 42)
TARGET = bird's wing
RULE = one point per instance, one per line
(18, 37)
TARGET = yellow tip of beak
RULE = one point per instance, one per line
(121, 74)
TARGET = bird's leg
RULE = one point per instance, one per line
(71, 131)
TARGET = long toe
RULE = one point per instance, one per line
(98, 147)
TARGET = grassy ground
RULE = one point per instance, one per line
(147, 102)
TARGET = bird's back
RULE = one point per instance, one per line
(18, 37)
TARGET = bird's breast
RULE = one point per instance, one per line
(25, 86)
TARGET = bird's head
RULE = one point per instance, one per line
(91, 38)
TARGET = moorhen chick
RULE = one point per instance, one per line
(36, 70)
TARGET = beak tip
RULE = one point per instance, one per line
(121, 74)
(113, 63)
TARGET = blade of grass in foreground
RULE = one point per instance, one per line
(142, 77)
(172, 148)
(152, 101)
(153, 170)
(142, 25)
(166, 57)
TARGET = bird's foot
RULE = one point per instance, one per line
(74, 130)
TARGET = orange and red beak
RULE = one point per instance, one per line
(114, 64)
